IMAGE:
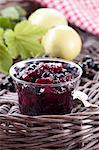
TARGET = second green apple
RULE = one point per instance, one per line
(62, 41)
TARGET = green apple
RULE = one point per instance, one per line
(47, 17)
(62, 41)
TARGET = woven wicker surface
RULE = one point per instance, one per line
(76, 131)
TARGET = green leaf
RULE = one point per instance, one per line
(5, 59)
(11, 42)
(29, 36)
(32, 46)
(23, 51)
(14, 45)
(27, 30)
(24, 40)
(6, 23)
(10, 12)
(1, 34)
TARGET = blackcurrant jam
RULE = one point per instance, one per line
(45, 86)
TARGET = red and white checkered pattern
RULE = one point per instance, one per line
(82, 13)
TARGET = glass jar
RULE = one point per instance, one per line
(45, 99)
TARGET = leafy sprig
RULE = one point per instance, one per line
(5, 58)
(23, 41)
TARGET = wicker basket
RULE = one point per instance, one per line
(76, 131)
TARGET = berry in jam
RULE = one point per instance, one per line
(45, 86)
(43, 80)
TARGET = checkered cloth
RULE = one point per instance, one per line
(82, 13)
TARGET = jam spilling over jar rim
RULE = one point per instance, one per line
(73, 71)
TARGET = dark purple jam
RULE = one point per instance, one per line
(46, 90)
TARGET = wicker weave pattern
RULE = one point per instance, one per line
(76, 131)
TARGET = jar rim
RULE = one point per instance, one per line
(12, 71)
